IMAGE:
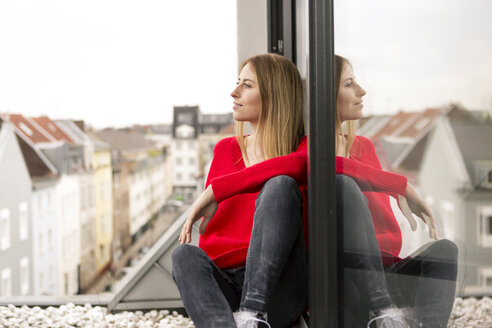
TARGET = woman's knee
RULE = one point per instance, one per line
(347, 189)
(185, 255)
(445, 248)
(281, 186)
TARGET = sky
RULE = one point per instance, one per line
(411, 55)
(116, 62)
(122, 62)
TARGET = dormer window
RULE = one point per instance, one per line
(26, 129)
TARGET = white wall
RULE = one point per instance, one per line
(45, 239)
(69, 234)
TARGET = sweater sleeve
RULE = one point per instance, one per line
(370, 178)
(251, 179)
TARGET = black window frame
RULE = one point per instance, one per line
(325, 232)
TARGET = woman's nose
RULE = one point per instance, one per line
(235, 92)
(362, 92)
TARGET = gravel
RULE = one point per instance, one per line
(468, 312)
(71, 316)
(471, 312)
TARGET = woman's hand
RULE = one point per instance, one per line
(205, 206)
(413, 203)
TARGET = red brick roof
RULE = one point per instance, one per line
(27, 128)
(409, 125)
(54, 130)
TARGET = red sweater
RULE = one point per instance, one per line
(236, 187)
(364, 167)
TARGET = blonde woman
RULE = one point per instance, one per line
(250, 267)
(382, 289)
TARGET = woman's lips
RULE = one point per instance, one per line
(236, 106)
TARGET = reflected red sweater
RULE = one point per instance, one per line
(236, 187)
(364, 167)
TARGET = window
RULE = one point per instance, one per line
(179, 176)
(41, 244)
(4, 229)
(23, 221)
(6, 287)
(191, 161)
(48, 200)
(42, 288)
(448, 216)
(486, 277)
(51, 277)
(66, 281)
(178, 161)
(50, 239)
(24, 276)
(40, 205)
(485, 224)
(26, 129)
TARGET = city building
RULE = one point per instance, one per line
(15, 226)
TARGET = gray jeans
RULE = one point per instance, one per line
(274, 279)
(424, 282)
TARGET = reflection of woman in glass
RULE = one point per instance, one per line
(379, 286)
(251, 263)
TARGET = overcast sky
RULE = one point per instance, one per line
(415, 54)
(114, 62)
(120, 62)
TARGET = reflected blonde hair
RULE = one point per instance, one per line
(281, 122)
(347, 127)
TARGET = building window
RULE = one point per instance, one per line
(23, 221)
(66, 284)
(485, 219)
(4, 229)
(40, 205)
(48, 205)
(191, 161)
(42, 290)
(51, 277)
(178, 176)
(178, 145)
(191, 145)
(6, 283)
(50, 239)
(24, 276)
(26, 129)
(178, 161)
(486, 277)
(41, 244)
(447, 212)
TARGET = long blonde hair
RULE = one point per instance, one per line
(281, 122)
(347, 127)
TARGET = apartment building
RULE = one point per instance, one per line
(15, 226)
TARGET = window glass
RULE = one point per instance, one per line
(415, 110)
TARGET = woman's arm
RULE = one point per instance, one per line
(204, 207)
(251, 179)
(370, 178)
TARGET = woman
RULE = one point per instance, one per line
(380, 286)
(251, 265)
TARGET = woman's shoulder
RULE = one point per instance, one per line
(226, 142)
(363, 141)
(227, 146)
(361, 147)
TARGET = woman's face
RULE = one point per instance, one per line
(349, 100)
(247, 98)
